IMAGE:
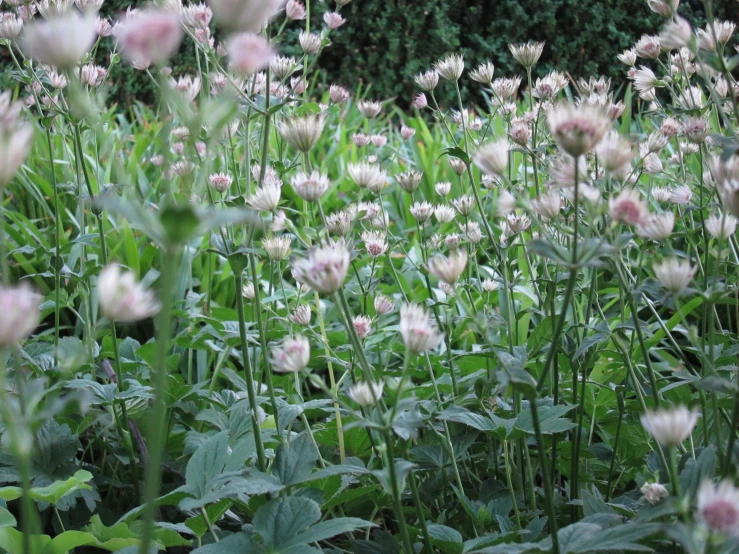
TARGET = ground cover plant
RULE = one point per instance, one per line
(262, 317)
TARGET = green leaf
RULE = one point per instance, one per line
(206, 464)
(327, 529)
(281, 519)
(445, 538)
(54, 492)
(462, 415)
(696, 471)
(294, 463)
(238, 543)
(620, 537)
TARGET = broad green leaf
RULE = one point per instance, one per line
(326, 529)
(281, 519)
(295, 462)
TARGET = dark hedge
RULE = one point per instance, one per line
(386, 42)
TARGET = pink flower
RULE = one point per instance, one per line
(420, 101)
(62, 42)
(248, 53)
(333, 20)
(148, 37)
(21, 315)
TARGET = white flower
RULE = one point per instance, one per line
(628, 207)
(310, 187)
(657, 227)
(670, 427)
(383, 305)
(368, 176)
(20, 308)
(325, 268)
(527, 54)
(302, 133)
(674, 274)
(292, 356)
(492, 157)
(448, 269)
(577, 129)
(122, 298)
(718, 507)
(653, 492)
(451, 67)
(277, 248)
(62, 42)
(14, 147)
(419, 334)
(265, 198)
(301, 315)
(366, 394)
(721, 226)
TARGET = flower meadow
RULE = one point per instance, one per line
(266, 315)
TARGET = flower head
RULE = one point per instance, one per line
(718, 507)
(628, 207)
(62, 41)
(244, 15)
(368, 176)
(451, 67)
(383, 305)
(220, 181)
(721, 226)
(301, 315)
(418, 332)
(484, 73)
(656, 227)
(653, 492)
(366, 394)
(122, 298)
(362, 326)
(409, 180)
(248, 53)
(333, 20)
(369, 108)
(527, 54)
(310, 187)
(292, 356)
(302, 133)
(149, 36)
(277, 248)
(492, 157)
(670, 427)
(428, 80)
(325, 267)
(577, 129)
(448, 269)
(21, 314)
(266, 198)
(674, 274)
(547, 204)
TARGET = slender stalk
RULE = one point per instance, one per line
(249, 373)
(57, 248)
(157, 431)
(548, 492)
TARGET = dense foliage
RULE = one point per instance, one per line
(247, 318)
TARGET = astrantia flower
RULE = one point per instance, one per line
(428, 80)
(21, 314)
(419, 334)
(248, 53)
(148, 37)
(295, 10)
(577, 129)
(375, 243)
(628, 57)
(628, 207)
(666, 8)
(484, 73)
(325, 267)
(451, 67)
(527, 54)
(338, 93)
(302, 133)
(301, 315)
(362, 326)
(122, 298)
(220, 181)
(547, 204)
(614, 152)
(277, 248)
(383, 305)
(409, 180)
(718, 507)
(333, 20)
(310, 43)
(266, 198)
(247, 290)
(62, 42)
(681, 195)
(421, 211)
(10, 26)
(243, 15)
(366, 394)
(448, 269)
(339, 223)
(492, 157)
(444, 213)
(721, 226)
(369, 108)
(368, 176)
(674, 274)
(407, 132)
(696, 129)
(310, 187)
(657, 227)
(505, 87)
(464, 204)
(15, 143)
(420, 101)
(677, 33)
(670, 427)
(648, 47)
(514, 224)
(691, 98)
(292, 356)
(653, 492)
(505, 204)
